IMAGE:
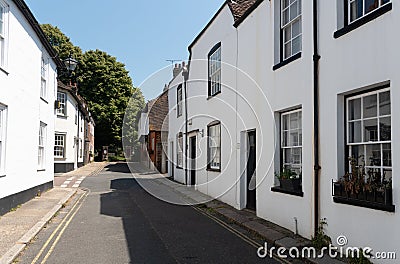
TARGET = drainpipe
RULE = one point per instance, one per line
(317, 167)
(185, 73)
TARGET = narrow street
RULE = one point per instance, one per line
(113, 220)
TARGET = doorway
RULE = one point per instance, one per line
(193, 160)
(171, 159)
(250, 169)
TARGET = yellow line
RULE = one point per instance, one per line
(54, 232)
(62, 232)
(237, 233)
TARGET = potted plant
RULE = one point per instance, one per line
(289, 180)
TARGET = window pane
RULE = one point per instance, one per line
(356, 9)
(294, 11)
(370, 5)
(357, 152)
(373, 157)
(355, 109)
(296, 155)
(294, 121)
(285, 3)
(288, 50)
(355, 132)
(285, 139)
(371, 130)
(387, 155)
(287, 34)
(370, 106)
(385, 128)
(387, 174)
(384, 1)
(285, 122)
(384, 103)
(285, 17)
(296, 45)
(296, 28)
(294, 138)
(287, 156)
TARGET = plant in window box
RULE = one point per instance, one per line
(289, 180)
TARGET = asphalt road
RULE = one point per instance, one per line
(115, 221)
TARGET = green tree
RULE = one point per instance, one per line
(104, 83)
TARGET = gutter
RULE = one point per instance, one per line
(317, 166)
(185, 73)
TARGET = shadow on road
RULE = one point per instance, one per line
(118, 167)
(160, 232)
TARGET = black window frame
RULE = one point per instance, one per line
(212, 51)
(212, 124)
(348, 27)
(282, 61)
(179, 99)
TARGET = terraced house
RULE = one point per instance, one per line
(28, 87)
(286, 108)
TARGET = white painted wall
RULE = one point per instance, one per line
(363, 57)
(176, 125)
(20, 92)
(66, 125)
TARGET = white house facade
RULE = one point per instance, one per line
(279, 95)
(69, 134)
(28, 87)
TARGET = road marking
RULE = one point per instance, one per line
(56, 230)
(237, 233)
(62, 231)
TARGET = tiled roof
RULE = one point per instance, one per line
(158, 113)
(240, 7)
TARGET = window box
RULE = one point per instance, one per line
(291, 184)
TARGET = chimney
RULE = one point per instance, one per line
(177, 69)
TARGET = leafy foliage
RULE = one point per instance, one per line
(104, 83)
(321, 239)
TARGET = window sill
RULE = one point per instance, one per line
(62, 116)
(213, 170)
(285, 191)
(180, 168)
(287, 61)
(4, 71)
(41, 170)
(44, 100)
(365, 204)
(2, 176)
(212, 96)
(365, 19)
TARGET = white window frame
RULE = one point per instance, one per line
(179, 95)
(363, 143)
(214, 74)
(295, 163)
(179, 150)
(364, 13)
(43, 75)
(59, 143)
(288, 26)
(214, 146)
(62, 99)
(3, 138)
(3, 34)
(42, 146)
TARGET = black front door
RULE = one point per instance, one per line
(251, 167)
(193, 161)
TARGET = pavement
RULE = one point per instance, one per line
(22, 224)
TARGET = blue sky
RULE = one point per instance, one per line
(141, 34)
